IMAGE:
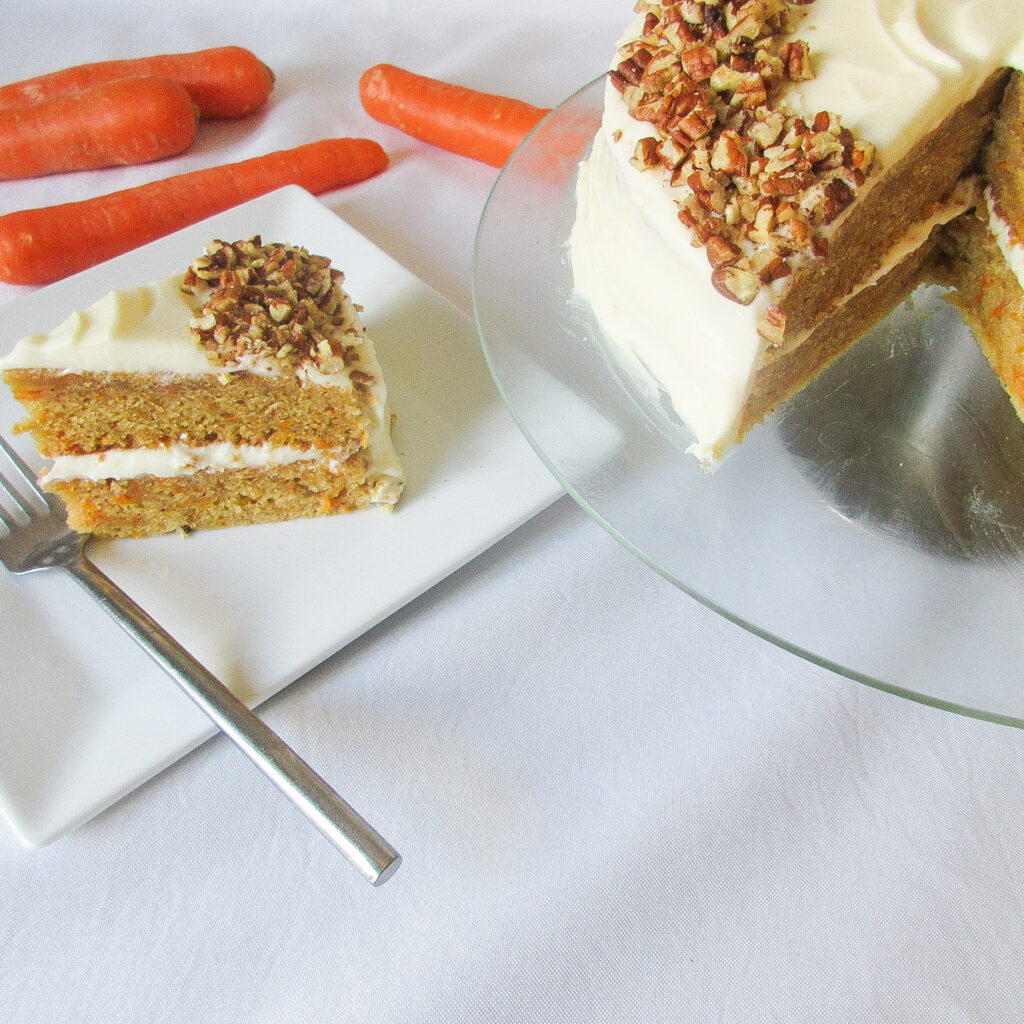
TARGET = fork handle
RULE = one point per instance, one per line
(369, 852)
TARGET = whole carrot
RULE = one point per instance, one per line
(479, 125)
(43, 245)
(127, 121)
(225, 81)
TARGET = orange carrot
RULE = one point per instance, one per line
(226, 81)
(127, 121)
(479, 125)
(43, 245)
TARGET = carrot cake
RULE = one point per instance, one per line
(244, 390)
(771, 177)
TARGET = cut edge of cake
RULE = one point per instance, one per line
(853, 264)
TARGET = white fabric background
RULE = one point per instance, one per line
(613, 805)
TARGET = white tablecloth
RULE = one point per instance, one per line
(613, 804)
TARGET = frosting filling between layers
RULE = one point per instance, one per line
(1008, 241)
(178, 459)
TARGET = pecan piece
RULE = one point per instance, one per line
(721, 250)
(645, 155)
(735, 283)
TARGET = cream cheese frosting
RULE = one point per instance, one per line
(177, 459)
(892, 69)
(635, 266)
(145, 330)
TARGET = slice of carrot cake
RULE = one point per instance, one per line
(244, 390)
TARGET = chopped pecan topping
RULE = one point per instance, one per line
(757, 184)
(273, 302)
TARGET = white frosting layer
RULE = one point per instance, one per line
(145, 330)
(893, 70)
(135, 330)
(648, 288)
(177, 459)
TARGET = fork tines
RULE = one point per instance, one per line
(15, 492)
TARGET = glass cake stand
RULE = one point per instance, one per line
(875, 524)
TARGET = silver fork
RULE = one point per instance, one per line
(34, 535)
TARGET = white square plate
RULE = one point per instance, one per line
(86, 716)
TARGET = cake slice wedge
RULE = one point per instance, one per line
(243, 390)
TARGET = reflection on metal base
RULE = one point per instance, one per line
(911, 433)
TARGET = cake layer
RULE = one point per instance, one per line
(77, 413)
(985, 251)
(778, 378)
(149, 505)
